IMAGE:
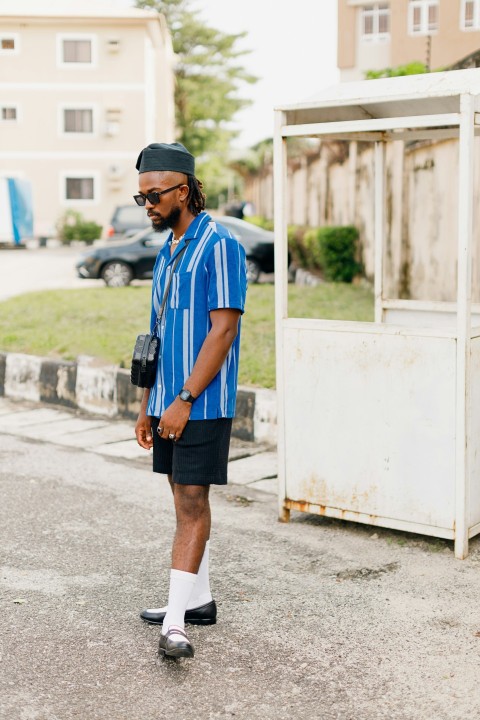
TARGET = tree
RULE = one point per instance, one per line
(413, 68)
(208, 80)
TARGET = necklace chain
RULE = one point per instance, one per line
(175, 241)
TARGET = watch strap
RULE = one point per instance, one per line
(186, 395)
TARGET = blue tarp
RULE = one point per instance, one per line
(21, 204)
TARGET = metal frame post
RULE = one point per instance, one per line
(379, 227)
(281, 295)
(464, 292)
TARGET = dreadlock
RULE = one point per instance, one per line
(196, 198)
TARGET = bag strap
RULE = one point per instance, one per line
(165, 295)
(144, 351)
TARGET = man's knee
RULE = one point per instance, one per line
(191, 500)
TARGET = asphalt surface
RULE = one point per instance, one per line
(28, 269)
(317, 618)
(51, 268)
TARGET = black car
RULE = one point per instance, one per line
(258, 244)
(132, 259)
(119, 264)
(127, 220)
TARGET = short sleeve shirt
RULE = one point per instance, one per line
(210, 275)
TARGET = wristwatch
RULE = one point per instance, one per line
(186, 395)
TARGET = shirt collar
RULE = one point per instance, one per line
(197, 226)
(194, 231)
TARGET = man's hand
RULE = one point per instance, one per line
(143, 431)
(174, 419)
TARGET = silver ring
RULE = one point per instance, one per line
(172, 436)
(159, 430)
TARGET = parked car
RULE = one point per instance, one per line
(134, 258)
(126, 221)
(123, 262)
(258, 244)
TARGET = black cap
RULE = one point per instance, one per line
(162, 156)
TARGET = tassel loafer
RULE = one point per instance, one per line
(202, 615)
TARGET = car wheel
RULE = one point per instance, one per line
(117, 274)
(253, 270)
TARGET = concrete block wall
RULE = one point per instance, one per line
(106, 390)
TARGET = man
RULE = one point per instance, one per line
(187, 415)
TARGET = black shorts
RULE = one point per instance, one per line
(199, 457)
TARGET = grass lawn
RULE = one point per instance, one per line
(104, 322)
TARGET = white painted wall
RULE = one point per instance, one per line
(421, 210)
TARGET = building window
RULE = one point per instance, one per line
(423, 17)
(76, 50)
(79, 188)
(470, 15)
(9, 44)
(376, 22)
(78, 120)
(8, 113)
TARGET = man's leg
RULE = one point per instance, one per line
(201, 593)
(192, 509)
(201, 597)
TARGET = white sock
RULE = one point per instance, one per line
(201, 593)
(181, 586)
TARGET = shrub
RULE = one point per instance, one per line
(259, 220)
(312, 247)
(330, 249)
(337, 252)
(72, 226)
(296, 245)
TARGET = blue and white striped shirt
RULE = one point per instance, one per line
(210, 275)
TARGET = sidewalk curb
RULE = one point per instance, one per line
(106, 390)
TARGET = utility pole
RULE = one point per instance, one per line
(429, 53)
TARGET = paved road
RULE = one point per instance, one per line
(49, 268)
(41, 269)
(317, 618)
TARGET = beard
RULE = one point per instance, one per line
(160, 223)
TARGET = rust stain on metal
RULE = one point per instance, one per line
(331, 511)
(317, 491)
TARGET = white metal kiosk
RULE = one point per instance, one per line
(379, 422)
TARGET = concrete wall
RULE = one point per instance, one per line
(93, 387)
(446, 46)
(346, 52)
(327, 188)
(130, 90)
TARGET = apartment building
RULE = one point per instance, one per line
(374, 35)
(84, 85)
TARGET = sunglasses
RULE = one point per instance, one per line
(154, 197)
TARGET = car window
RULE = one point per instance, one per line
(156, 239)
(131, 215)
(242, 230)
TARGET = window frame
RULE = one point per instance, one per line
(80, 37)
(16, 43)
(476, 16)
(76, 106)
(79, 175)
(375, 11)
(8, 106)
(424, 7)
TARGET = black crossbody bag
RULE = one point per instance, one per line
(147, 347)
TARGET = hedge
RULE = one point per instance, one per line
(330, 250)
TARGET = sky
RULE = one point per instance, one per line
(293, 53)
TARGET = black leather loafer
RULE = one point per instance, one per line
(203, 615)
(178, 646)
